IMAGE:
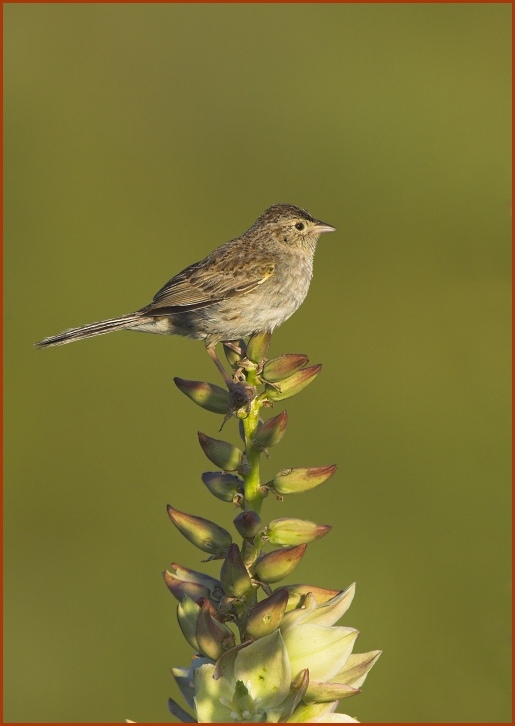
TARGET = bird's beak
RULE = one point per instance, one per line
(324, 227)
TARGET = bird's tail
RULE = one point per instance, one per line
(124, 322)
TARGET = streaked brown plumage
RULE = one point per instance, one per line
(248, 285)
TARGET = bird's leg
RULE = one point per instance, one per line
(243, 364)
(241, 394)
(216, 360)
(233, 345)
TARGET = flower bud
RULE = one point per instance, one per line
(226, 487)
(233, 358)
(203, 533)
(294, 384)
(290, 531)
(211, 586)
(213, 637)
(294, 481)
(248, 524)
(277, 369)
(234, 575)
(276, 565)
(271, 432)
(207, 395)
(258, 346)
(221, 453)
(187, 615)
(267, 615)
(179, 588)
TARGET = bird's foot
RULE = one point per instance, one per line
(241, 396)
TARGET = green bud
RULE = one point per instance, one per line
(187, 615)
(211, 584)
(221, 453)
(267, 615)
(234, 575)
(207, 395)
(271, 432)
(297, 594)
(294, 384)
(258, 346)
(213, 637)
(277, 369)
(290, 531)
(248, 524)
(227, 487)
(234, 358)
(294, 481)
(203, 533)
(276, 565)
(179, 588)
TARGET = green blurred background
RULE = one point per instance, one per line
(137, 139)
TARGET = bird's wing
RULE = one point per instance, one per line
(216, 278)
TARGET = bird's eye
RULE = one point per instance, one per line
(299, 226)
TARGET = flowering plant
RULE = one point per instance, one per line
(262, 653)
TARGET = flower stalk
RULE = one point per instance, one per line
(263, 652)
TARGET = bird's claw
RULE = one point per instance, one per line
(241, 396)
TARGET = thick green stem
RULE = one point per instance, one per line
(253, 497)
(251, 480)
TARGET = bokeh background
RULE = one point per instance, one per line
(137, 139)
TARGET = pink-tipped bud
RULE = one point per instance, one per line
(266, 616)
(294, 481)
(294, 384)
(180, 588)
(210, 585)
(290, 531)
(277, 565)
(277, 369)
(271, 432)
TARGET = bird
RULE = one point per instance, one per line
(249, 285)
